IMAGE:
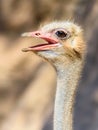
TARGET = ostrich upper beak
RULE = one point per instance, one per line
(51, 42)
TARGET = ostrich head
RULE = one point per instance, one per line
(63, 40)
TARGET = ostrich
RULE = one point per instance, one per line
(64, 48)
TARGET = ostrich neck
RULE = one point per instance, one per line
(65, 95)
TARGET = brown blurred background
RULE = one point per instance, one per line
(27, 83)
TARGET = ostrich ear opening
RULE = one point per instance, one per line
(78, 54)
(78, 46)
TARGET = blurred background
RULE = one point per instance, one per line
(27, 83)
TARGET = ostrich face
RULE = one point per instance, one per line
(62, 39)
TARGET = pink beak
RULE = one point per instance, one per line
(52, 42)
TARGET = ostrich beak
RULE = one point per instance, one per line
(51, 42)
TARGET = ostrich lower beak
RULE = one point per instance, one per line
(51, 42)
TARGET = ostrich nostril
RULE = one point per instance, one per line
(37, 34)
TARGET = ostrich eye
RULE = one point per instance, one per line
(61, 34)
